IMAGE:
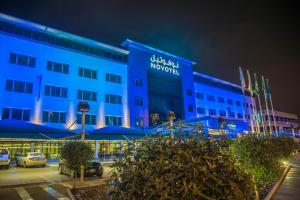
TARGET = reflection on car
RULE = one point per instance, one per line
(94, 168)
(31, 159)
(4, 157)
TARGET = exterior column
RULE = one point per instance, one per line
(32, 147)
(41, 147)
(97, 149)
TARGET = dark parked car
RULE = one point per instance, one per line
(94, 168)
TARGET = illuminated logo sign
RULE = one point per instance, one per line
(231, 126)
(159, 63)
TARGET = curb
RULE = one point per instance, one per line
(70, 195)
(278, 184)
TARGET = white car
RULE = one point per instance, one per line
(32, 159)
(4, 157)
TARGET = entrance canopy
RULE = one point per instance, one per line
(17, 129)
(116, 133)
(10, 128)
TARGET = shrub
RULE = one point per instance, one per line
(76, 154)
(261, 157)
(187, 169)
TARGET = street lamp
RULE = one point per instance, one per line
(171, 119)
(82, 107)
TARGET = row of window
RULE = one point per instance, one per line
(58, 117)
(280, 119)
(29, 61)
(202, 111)
(220, 99)
(20, 59)
(25, 87)
(18, 86)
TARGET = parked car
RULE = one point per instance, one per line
(32, 159)
(94, 168)
(4, 157)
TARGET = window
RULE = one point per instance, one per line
(113, 120)
(221, 100)
(238, 103)
(16, 113)
(247, 116)
(113, 78)
(222, 113)
(210, 98)
(87, 73)
(138, 82)
(139, 122)
(231, 114)
(246, 105)
(199, 95)
(240, 115)
(87, 95)
(212, 112)
(21, 60)
(229, 101)
(189, 92)
(5, 113)
(90, 119)
(138, 101)
(56, 91)
(18, 86)
(57, 67)
(113, 99)
(190, 108)
(54, 117)
(200, 110)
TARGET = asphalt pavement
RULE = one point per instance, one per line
(40, 183)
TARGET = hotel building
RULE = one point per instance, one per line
(45, 73)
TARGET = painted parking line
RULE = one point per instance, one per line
(54, 193)
(23, 193)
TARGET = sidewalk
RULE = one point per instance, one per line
(290, 188)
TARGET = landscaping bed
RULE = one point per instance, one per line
(90, 193)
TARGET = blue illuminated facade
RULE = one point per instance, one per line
(46, 72)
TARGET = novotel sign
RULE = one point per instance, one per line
(166, 65)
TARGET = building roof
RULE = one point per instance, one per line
(219, 83)
(45, 34)
(130, 43)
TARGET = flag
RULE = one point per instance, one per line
(263, 85)
(249, 82)
(256, 88)
(243, 84)
(268, 88)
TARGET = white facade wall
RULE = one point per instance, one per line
(72, 81)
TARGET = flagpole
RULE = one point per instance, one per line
(253, 118)
(266, 101)
(256, 91)
(271, 102)
(243, 85)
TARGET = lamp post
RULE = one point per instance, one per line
(171, 119)
(82, 107)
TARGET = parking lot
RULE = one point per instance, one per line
(40, 182)
(15, 176)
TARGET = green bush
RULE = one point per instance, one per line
(186, 169)
(76, 153)
(262, 157)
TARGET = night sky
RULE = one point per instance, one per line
(219, 36)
